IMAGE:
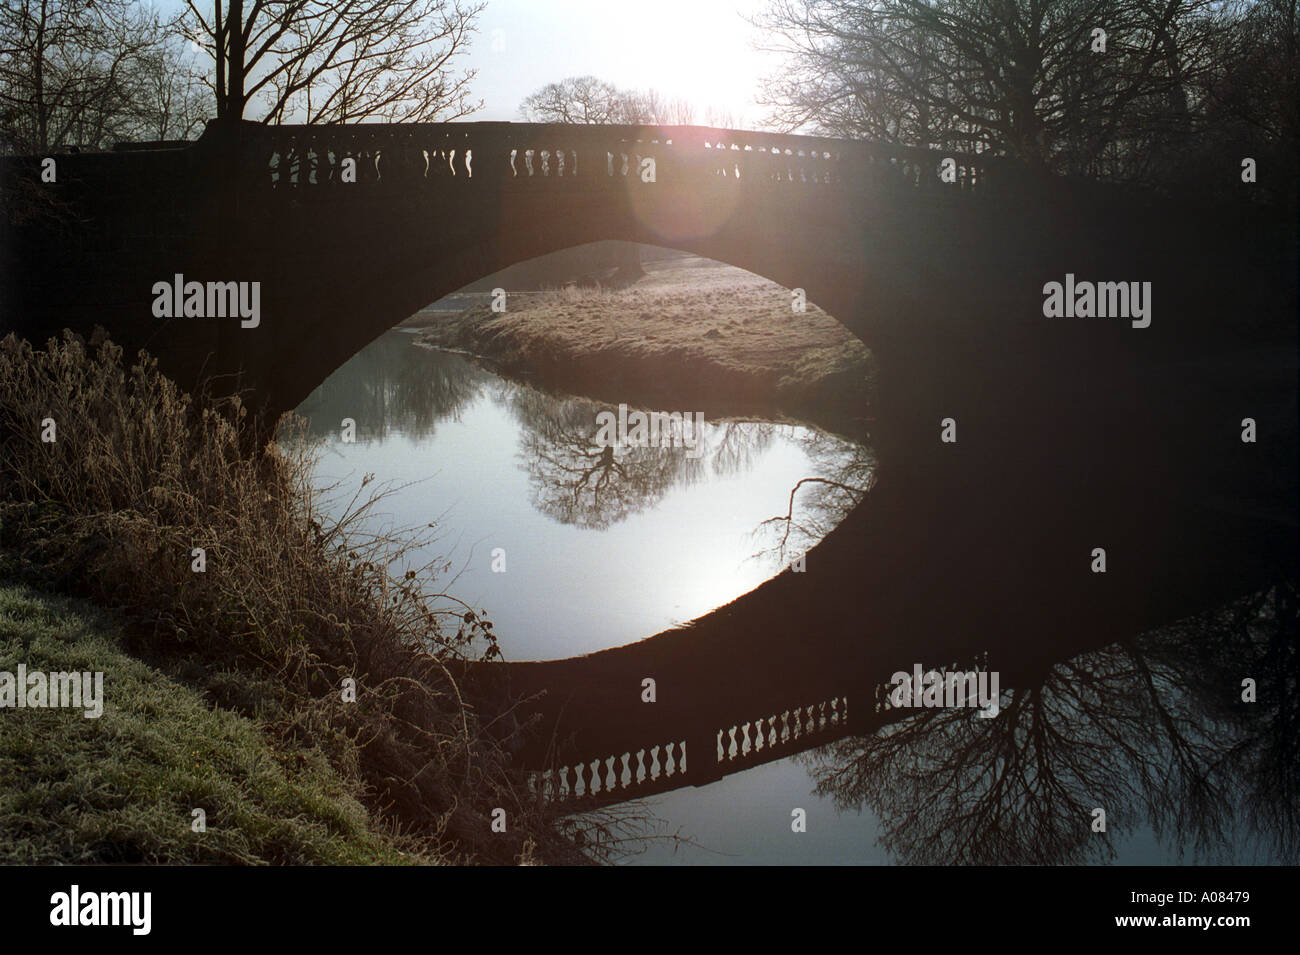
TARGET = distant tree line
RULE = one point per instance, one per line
(589, 100)
(1133, 90)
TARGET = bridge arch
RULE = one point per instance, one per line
(1065, 426)
(387, 245)
(407, 291)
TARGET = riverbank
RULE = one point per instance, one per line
(159, 776)
(242, 623)
(692, 333)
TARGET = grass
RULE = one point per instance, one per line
(693, 332)
(288, 606)
(121, 788)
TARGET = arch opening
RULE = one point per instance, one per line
(628, 437)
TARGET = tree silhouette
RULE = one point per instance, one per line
(577, 481)
(844, 475)
(1153, 730)
(391, 385)
(587, 99)
(77, 73)
(1031, 81)
(336, 61)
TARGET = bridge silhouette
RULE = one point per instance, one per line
(1072, 433)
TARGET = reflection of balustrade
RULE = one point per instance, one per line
(884, 691)
(739, 745)
(627, 775)
(649, 770)
(770, 737)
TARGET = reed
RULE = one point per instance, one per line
(290, 604)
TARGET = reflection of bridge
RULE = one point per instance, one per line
(648, 769)
(1072, 433)
(632, 767)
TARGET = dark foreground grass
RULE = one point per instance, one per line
(287, 608)
(122, 787)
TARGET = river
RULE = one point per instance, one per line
(568, 552)
(657, 538)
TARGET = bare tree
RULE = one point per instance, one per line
(817, 503)
(336, 61)
(68, 70)
(1067, 85)
(170, 99)
(721, 117)
(652, 107)
(578, 99)
(1250, 103)
(1151, 728)
(589, 100)
(575, 480)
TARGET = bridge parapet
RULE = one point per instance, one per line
(308, 160)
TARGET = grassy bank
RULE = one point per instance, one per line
(111, 484)
(691, 334)
(122, 787)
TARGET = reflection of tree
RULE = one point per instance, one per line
(843, 475)
(576, 481)
(393, 386)
(737, 445)
(1151, 730)
(1253, 638)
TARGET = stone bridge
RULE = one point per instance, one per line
(1071, 433)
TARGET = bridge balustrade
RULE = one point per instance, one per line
(307, 160)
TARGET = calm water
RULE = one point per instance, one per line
(597, 555)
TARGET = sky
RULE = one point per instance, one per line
(702, 50)
(699, 49)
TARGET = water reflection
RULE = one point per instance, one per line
(397, 387)
(503, 466)
(840, 478)
(1154, 730)
(392, 387)
(575, 480)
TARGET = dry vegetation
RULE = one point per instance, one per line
(140, 474)
(693, 333)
